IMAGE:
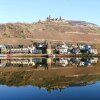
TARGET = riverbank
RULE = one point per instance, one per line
(50, 55)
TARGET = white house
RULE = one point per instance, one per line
(63, 49)
(94, 51)
(3, 49)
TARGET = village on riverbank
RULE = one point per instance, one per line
(45, 48)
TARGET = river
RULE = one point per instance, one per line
(50, 79)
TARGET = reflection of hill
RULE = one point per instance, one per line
(49, 79)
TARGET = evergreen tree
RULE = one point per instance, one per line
(60, 18)
(49, 17)
(39, 21)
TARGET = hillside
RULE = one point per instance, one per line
(54, 29)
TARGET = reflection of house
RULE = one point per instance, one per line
(94, 60)
(88, 61)
(74, 60)
(38, 62)
(46, 62)
(63, 61)
(3, 63)
(20, 62)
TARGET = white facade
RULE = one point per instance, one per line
(63, 49)
(94, 51)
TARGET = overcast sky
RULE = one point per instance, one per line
(33, 10)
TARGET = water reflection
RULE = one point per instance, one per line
(90, 92)
(23, 62)
(61, 72)
(48, 62)
(76, 61)
(19, 80)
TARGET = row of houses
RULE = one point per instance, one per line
(75, 49)
(43, 48)
(35, 48)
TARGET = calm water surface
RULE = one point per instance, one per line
(90, 92)
(81, 83)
